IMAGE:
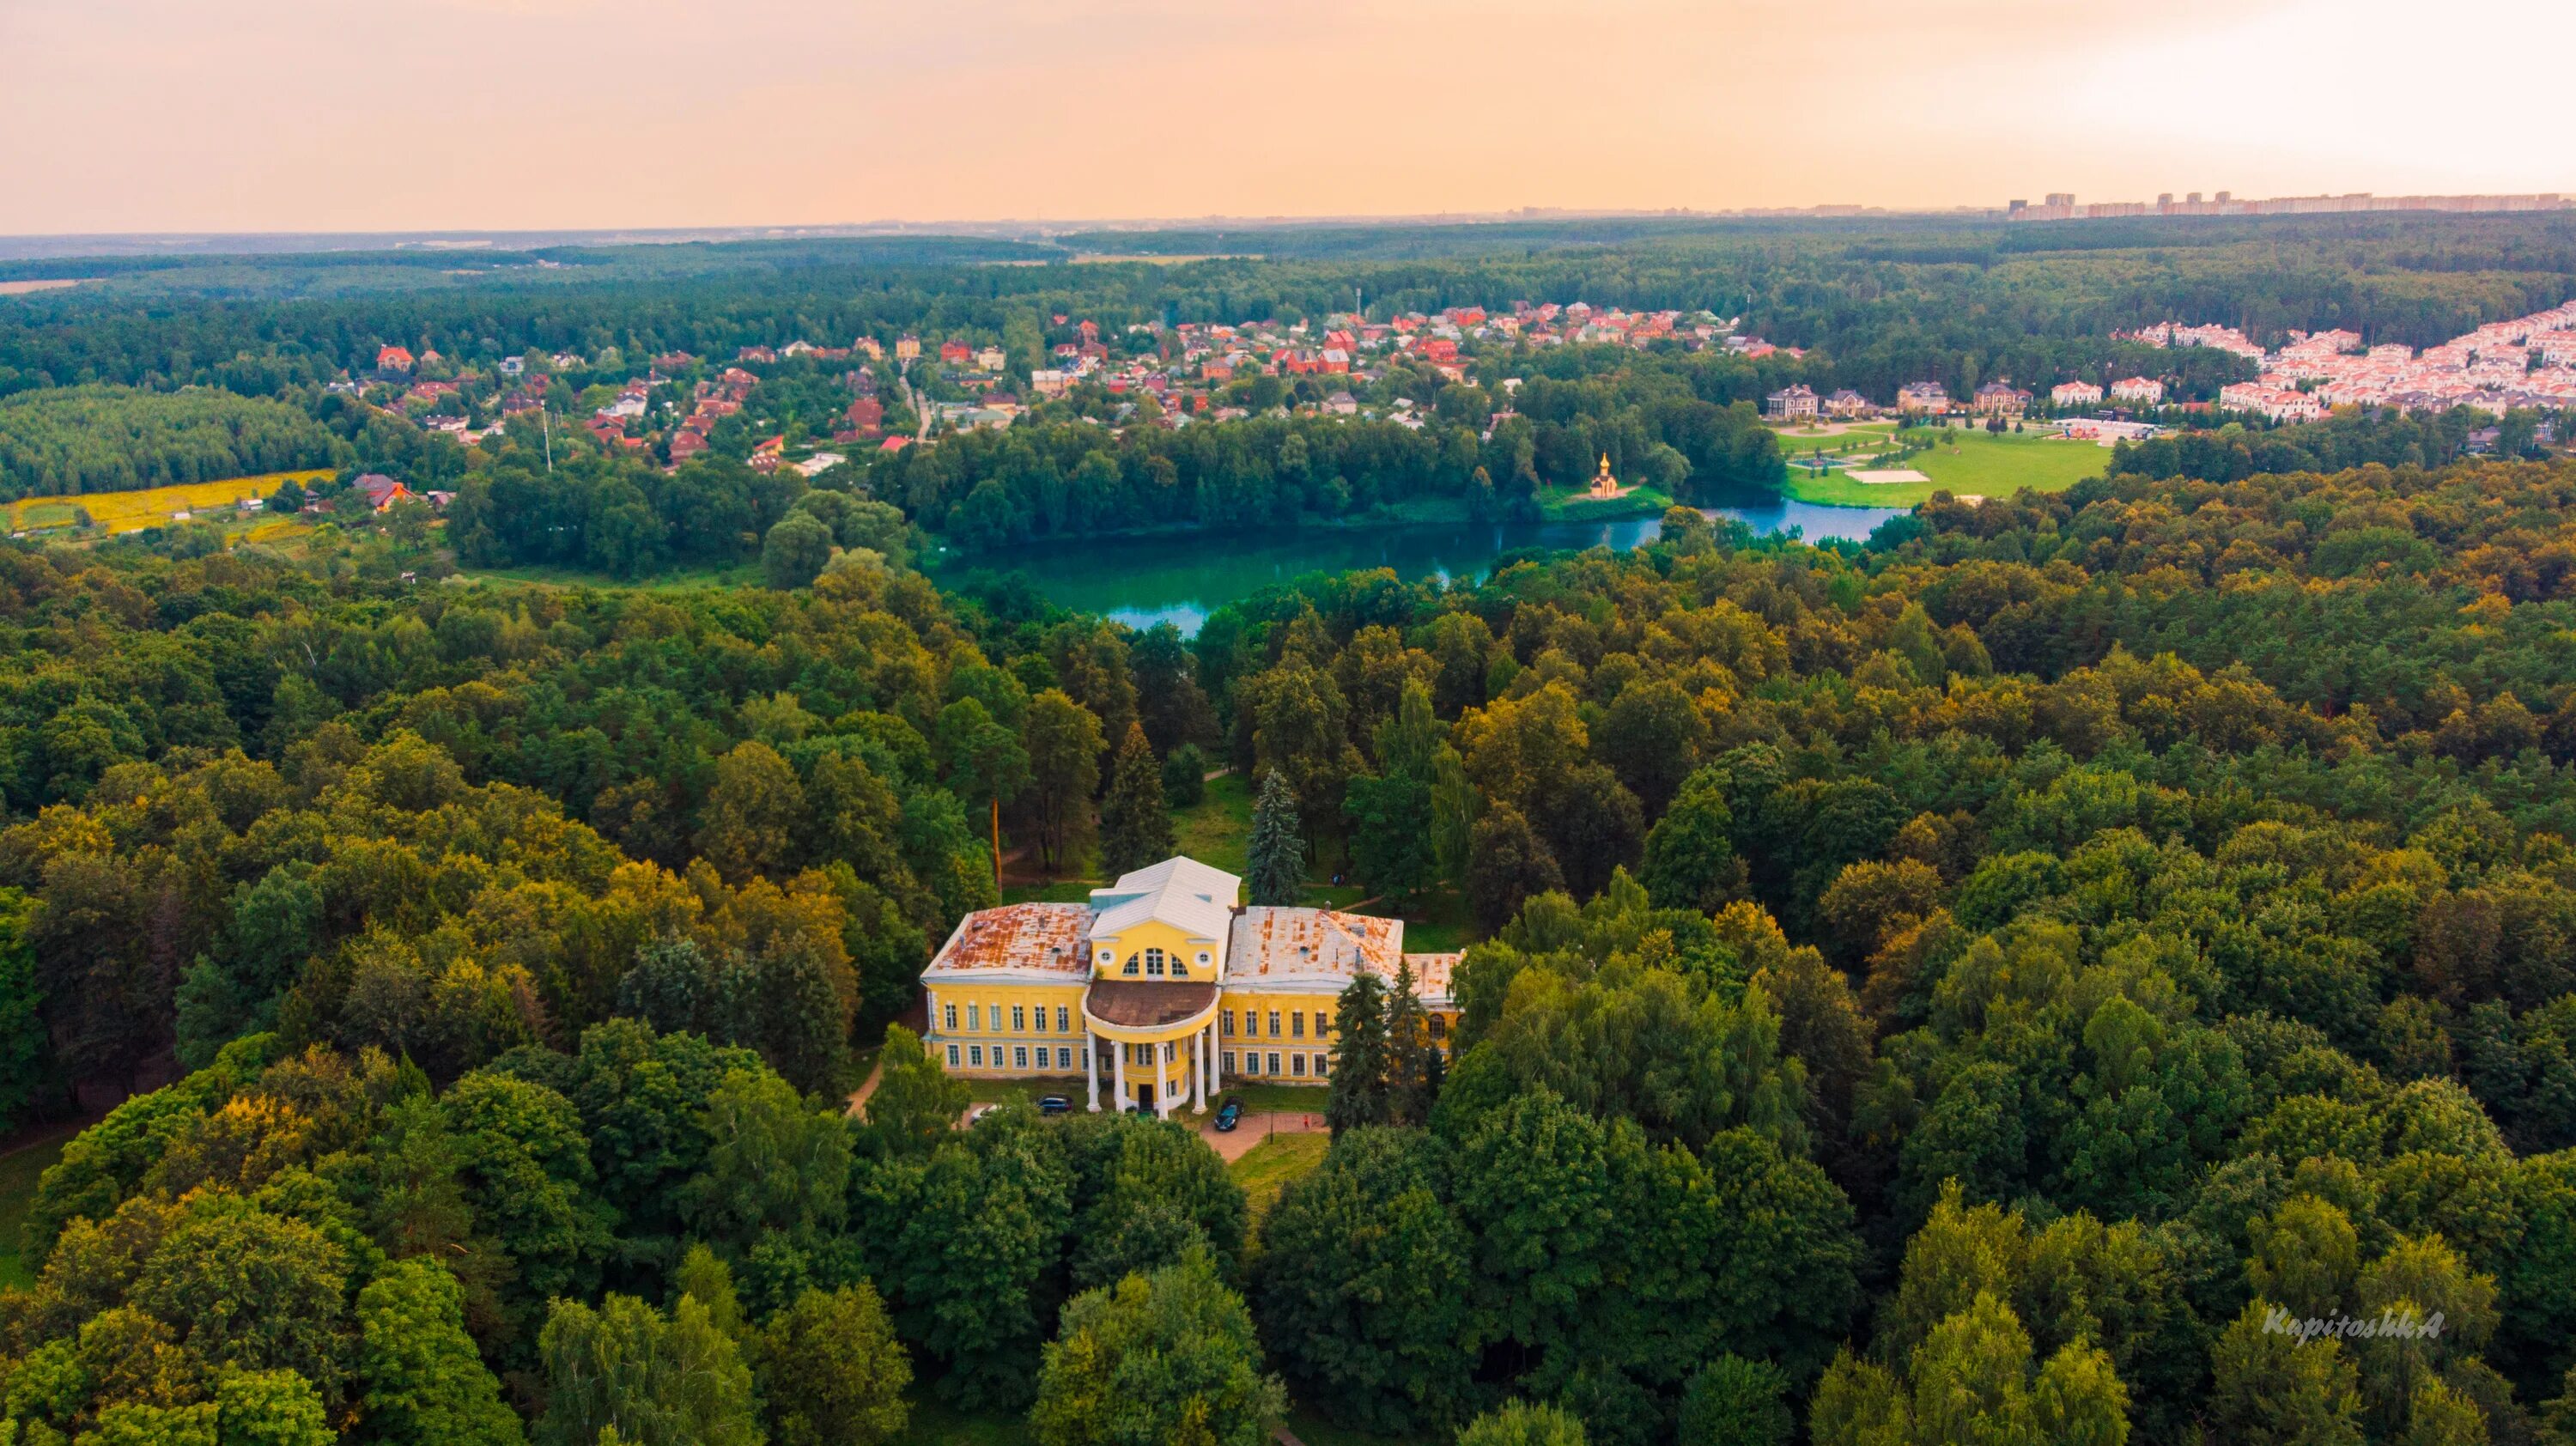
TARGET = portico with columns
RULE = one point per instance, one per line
(1164, 1069)
(1156, 951)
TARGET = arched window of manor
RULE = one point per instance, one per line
(1153, 963)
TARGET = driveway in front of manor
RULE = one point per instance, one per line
(1254, 1128)
(1230, 1145)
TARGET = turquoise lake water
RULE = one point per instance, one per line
(1180, 579)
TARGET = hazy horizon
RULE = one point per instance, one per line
(152, 117)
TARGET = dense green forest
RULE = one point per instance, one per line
(115, 439)
(617, 515)
(989, 489)
(1891, 298)
(1952, 990)
(2354, 438)
(1684, 422)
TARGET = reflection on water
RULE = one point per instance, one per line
(1181, 579)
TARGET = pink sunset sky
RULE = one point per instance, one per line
(154, 115)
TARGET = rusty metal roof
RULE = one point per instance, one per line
(1136, 1004)
(1284, 944)
(1286, 948)
(1432, 973)
(1045, 938)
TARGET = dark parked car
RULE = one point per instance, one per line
(1229, 1116)
(1053, 1104)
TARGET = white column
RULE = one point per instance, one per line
(1216, 1047)
(1091, 1066)
(1199, 1075)
(1118, 1071)
(1162, 1092)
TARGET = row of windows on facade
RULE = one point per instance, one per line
(1156, 966)
(1022, 1016)
(1297, 1066)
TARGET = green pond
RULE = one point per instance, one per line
(1181, 578)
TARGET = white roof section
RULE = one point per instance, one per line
(1182, 892)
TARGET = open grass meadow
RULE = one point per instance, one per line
(153, 507)
(1963, 463)
(1219, 828)
(1832, 435)
(1270, 1166)
(1434, 924)
(1855, 446)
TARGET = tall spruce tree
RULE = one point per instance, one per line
(1412, 1074)
(1277, 863)
(1135, 818)
(1359, 1056)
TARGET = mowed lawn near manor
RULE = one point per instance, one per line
(1217, 830)
(151, 506)
(1964, 462)
(1274, 1164)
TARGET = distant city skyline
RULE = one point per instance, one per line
(150, 116)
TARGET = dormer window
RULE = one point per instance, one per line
(1105, 957)
(1203, 958)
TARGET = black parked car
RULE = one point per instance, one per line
(1229, 1116)
(1053, 1104)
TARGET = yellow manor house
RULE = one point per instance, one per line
(1190, 986)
